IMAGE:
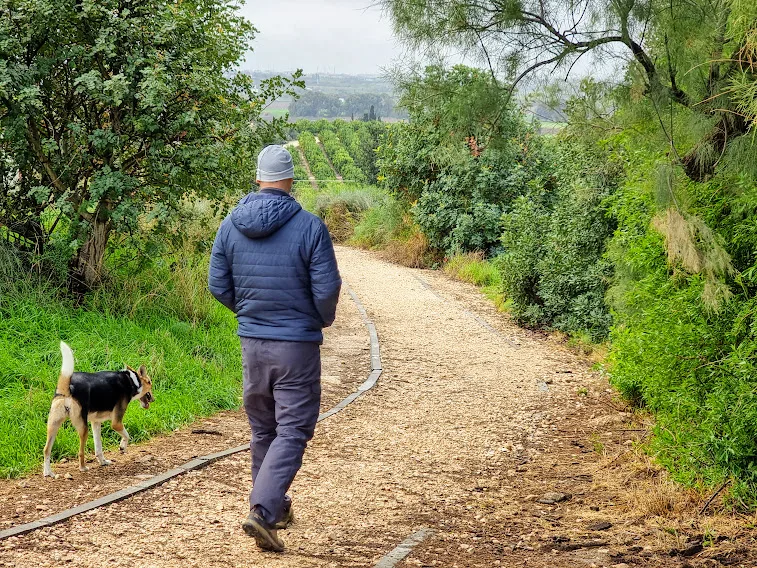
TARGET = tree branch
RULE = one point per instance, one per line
(33, 138)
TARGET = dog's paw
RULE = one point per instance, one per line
(83, 468)
(49, 473)
(122, 447)
(104, 462)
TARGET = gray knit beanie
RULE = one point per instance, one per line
(275, 164)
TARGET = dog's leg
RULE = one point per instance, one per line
(119, 427)
(54, 421)
(96, 431)
(83, 430)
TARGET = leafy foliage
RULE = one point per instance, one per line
(119, 114)
(460, 168)
(686, 55)
(552, 266)
(340, 158)
(361, 140)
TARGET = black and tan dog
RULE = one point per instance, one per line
(96, 398)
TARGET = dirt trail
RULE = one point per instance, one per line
(306, 165)
(328, 159)
(464, 434)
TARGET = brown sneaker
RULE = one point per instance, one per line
(265, 535)
(288, 515)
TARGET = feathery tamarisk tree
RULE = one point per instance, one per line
(112, 111)
(685, 54)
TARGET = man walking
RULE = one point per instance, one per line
(273, 265)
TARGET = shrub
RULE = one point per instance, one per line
(688, 361)
(553, 267)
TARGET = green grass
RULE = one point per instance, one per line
(475, 269)
(161, 317)
(367, 217)
(341, 205)
(305, 194)
(381, 224)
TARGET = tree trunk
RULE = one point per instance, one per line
(86, 267)
(700, 163)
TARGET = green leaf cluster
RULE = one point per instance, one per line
(119, 111)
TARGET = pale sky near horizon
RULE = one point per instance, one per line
(342, 36)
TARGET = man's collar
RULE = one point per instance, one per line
(274, 191)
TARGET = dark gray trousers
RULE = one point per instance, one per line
(282, 398)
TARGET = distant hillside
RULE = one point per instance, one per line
(332, 96)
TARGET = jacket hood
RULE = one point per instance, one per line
(261, 214)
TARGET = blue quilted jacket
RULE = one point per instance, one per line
(274, 266)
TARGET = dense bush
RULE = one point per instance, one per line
(553, 266)
(461, 172)
(461, 209)
(683, 353)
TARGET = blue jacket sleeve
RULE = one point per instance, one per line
(325, 282)
(220, 282)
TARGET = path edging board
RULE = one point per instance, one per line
(202, 461)
(401, 551)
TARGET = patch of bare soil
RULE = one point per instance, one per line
(504, 442)
(345, 363)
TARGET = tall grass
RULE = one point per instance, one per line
(476, 269)
(160, 316)
(341, 205)
(370, 218)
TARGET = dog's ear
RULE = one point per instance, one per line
(142, 372)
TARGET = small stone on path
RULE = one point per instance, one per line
(552, 497)
(601, 526)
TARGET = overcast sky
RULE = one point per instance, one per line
(342, 36)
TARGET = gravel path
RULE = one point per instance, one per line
(458, 417)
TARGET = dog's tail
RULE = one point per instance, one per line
(66, 370)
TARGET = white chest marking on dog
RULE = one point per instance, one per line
(134, 378)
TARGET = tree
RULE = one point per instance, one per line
(113, 111)
(370, 116)
(684, 54)
(458, 168)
